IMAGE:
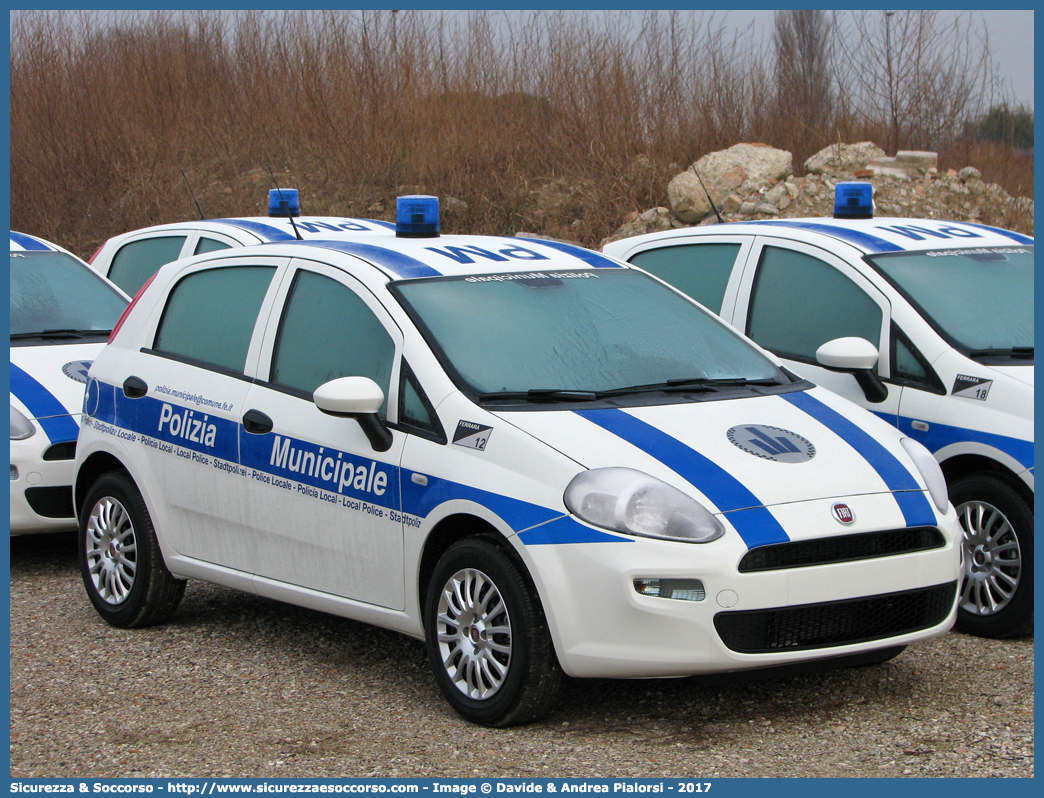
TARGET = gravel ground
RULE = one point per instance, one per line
(242, 686)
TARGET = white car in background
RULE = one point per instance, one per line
(927, 323)
(129, 259)
(61, 316)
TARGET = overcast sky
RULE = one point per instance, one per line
(1011, 40)
(1010, 35)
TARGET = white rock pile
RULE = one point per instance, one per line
(755, 181)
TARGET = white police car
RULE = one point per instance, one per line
(947, 309)
(61, 315)
(538, 459)
(131, 258)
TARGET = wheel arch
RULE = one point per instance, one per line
(93, 467)
(447, 532)
(964, 465)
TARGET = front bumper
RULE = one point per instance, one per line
(41, 490)
(602, 627)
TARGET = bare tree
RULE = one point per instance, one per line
(803, 42)
(916, 77)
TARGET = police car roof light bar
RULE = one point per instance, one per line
(283, 202)
(854, 200)
(417, 216)
(284, 199)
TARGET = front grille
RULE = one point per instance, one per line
(61, 451)
(835, 623)
(51, 502)
(843, 548)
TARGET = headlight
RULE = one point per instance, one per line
(629, 501)
(21, 427)
(931, 473)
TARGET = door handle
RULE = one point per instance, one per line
(134, 388)
(256, 423)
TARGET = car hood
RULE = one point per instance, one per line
(740, 453)
(47, 382)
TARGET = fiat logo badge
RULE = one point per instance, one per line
(842, 513)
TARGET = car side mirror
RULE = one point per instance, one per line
(359, 398)
(855, 356)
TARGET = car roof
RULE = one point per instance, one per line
(443, 256)
(269, 229)
(871, 236)
(23, 242)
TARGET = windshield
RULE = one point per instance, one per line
(981, 299)
(583, 331)
(52, 292)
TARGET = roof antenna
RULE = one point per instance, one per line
(290, 216)
(713, 206)
(189, 187)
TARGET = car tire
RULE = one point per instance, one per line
(487, 637)
(996, 598)
(120, 558)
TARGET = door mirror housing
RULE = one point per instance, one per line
(855, 356)
(359, 398)
(349, 396)
(847, 354)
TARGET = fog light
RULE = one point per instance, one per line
(682, 589)
(14, 472)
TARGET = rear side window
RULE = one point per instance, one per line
(348, 341)
(800, 302)
(137, 261)
(210, 245)
(210, 315)
(699, 270)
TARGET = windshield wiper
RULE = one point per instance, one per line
(688, 384)
(59, 334)
(675, 385)
(539, 395)
(722, 383)
(1023, 352)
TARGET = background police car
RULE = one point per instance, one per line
(131, 258)
(497, 523)
(61, 314)
(795, 285)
